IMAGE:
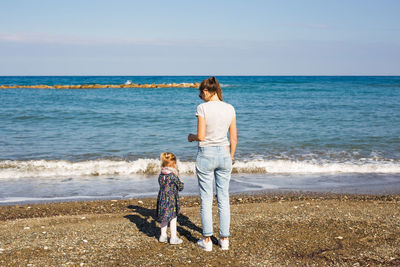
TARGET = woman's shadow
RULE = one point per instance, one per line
(145, 221)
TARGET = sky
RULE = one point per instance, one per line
(128, 37)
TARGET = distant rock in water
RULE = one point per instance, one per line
(97, 86)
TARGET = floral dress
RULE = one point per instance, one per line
(168, 206)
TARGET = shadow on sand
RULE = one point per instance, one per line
(146, 223)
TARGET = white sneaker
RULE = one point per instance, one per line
(224, 243)
(175, 241)
(163, 238)
(207, 246)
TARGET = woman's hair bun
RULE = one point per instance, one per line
(212, 85)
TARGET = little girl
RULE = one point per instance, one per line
(168, 206)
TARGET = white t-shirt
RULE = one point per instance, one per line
(218, 116)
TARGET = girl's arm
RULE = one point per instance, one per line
(179, 183)
(233, 137)
(201, 130)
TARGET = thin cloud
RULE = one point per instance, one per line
(306, 26)
(41, 38)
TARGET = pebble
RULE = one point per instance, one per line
(83, 218)
(140, 202)
(27, 228)
(46, 247)
(106, 239)
(84, 240)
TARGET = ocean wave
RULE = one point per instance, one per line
(12, 169)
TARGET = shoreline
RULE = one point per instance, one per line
(103, 206)
(265, 193)
(267, 229)
(127, 188)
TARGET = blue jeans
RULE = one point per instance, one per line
(214, 162)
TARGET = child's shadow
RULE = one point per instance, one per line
(145, 221)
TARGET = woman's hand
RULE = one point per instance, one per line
(192, 137)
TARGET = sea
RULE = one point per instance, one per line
(329, 134)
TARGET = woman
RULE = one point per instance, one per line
(214, 159)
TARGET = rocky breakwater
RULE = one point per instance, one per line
(97, 86)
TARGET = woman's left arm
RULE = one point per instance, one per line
(233, 137)
(201, 130)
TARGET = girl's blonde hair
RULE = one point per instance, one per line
(168, 159)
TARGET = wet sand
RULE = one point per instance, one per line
(267, 230)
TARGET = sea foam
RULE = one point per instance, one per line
(12, 169)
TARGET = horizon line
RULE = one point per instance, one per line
(207, 75)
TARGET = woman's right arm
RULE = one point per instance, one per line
(233, 137)
(201, 130)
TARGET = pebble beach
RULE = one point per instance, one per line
(268, 229)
